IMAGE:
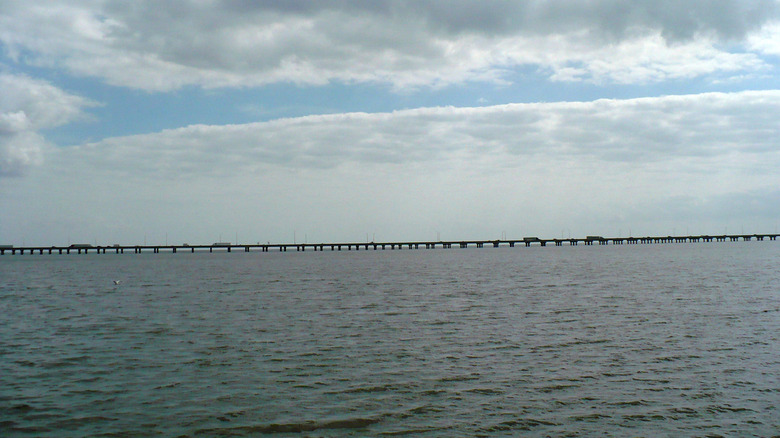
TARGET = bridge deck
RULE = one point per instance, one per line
(350, 246)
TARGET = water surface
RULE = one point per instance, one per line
(639, 340)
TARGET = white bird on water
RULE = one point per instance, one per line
(117, 281)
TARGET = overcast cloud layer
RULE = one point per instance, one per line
(703, 161)
(155, 45)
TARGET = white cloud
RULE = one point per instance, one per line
(162, 46)
(637, 131)
(767, 41)
(28, 106)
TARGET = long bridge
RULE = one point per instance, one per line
(357, 246)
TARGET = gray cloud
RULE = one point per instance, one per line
(161, 46)
(677, 20)
(615, 19)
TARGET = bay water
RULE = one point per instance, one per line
(625, 340)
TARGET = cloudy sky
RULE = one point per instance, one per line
(203, 121)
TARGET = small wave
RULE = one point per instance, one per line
(409, 432)
(631, 403)
(553, 388)
(231, 415)
(441, 322)
(524, 424)
(461, 378)
(310, 354)
(685, 411)
(370, 389)
(726, 408)
(666, 359)
(644, 418)
(589, 417)
(156, 331)
(427, 409)
(589, 342)
(485, 391)
(307, 426)
(75, 423)
(24, 407)
(66, 361)
(661, 381)
(7, 424)
(14, 427)
(704, 395)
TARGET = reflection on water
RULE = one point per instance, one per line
(659, 340)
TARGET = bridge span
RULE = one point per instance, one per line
(358, 246)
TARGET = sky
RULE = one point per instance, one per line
(344, 121)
